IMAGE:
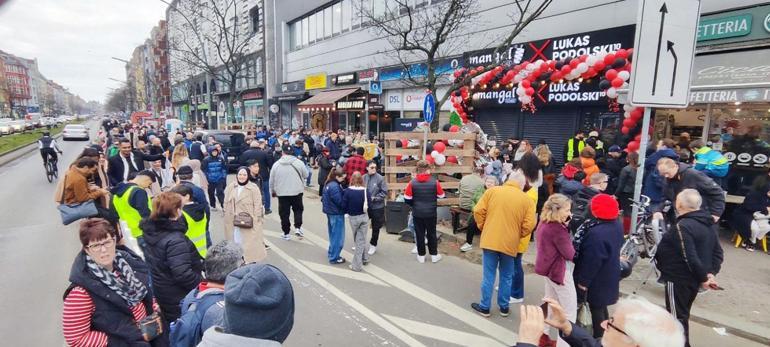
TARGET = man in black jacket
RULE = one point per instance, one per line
(681, 176)
(689, 256)
(258, 152)
(128, 161)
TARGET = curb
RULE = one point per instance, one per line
(17, 153)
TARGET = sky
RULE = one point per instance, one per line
(74, 40)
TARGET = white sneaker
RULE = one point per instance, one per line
(497, 287)
(286, 237)
(353, 248)
(513, 300)
(372, 249)
(414, 250)
(466, 247)
(435, 258)
(420, 259)
(299, 232)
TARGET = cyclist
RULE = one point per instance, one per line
(48, 148)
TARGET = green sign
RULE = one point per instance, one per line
(721, 28)
(203, 106)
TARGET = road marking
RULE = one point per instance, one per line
(496, 331)
(371, 315)
(440, 333)
(343, 272)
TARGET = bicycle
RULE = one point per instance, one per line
(51, 169)
(643, 241)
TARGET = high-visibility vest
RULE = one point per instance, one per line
(571, 148)
(196, 232)
(128, 213)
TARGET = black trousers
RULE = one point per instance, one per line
(425, 227)
(286, 205)
(679, 300)
(599, 313)
(472, 230)
(217, 191)
(378, 220)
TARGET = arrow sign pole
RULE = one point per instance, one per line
(663, 11)
(670, 48)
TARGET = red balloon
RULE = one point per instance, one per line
(439, 147)
(636, 114)
(629, 52)
(556, 76)
(398, 157)
(404, 143)
(552, 64)
(609, 59)
(625, 130)
(611, 75)
(430, 159)
(543, 68)
(530, 91)
(480, 69)
(454, 128)
(574, 63)
(566, 69)
(637, 138)
(599, 65)
(451, 159)
(473, 73)
(621, 53)
(633, 146)
(526, 83)
(583, 58)
(591, 72)
(617, 82)
(629, 123)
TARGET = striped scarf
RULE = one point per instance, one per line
(128, 286)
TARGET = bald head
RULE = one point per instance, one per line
(646, 325)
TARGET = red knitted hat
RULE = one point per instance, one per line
(604, 207)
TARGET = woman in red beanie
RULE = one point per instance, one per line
(597, 262)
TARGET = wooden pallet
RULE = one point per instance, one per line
(445, 173)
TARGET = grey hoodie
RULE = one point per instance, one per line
(287, 177)
(216, 337)
(376, 191)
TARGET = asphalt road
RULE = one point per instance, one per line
(394, 302)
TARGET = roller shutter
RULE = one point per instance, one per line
(500, 124)
(556, 127)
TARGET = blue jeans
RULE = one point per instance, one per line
(336, 227)
(492, 262)
(266, 196)
(517, 285)
(309, 174)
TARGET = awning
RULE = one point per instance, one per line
(742, 76)
(326, 99)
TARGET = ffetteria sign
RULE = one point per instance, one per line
(735, 26)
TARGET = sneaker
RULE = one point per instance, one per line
(435, 258)
(513, 300)
(372, 249)
(268, 212)
(351, 267)
(476, 307)
(414, 250)
(466, 247)
(366, 262)
(505, 311)
(750, 248)
(286, 237)
(299, 232)
(420, 259)
(339, 260)
(266, 246)
(353, 248)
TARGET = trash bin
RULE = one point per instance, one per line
(396, 217)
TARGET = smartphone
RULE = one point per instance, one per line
(544, 307)
(716, 287)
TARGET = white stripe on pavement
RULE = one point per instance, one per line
(343, 271)
(371, 315)
(440, 333)
(496, 331)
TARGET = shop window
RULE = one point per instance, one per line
(336, 18)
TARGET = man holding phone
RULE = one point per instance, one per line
(689, 256)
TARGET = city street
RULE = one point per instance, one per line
(394, 302)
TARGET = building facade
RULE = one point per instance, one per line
(17, 84)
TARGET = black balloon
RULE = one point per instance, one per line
(604, 84)
(446, 127)
(618, 63)
(399, 144)
(559, 64)
(457, 93)
(429, 148)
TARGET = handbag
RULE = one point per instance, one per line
(243, 220)
(72, 212)
(151, 326)
(584, 319)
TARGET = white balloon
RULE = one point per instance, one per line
(526, 99)
(627, 107)
(582, 67)
(612, 93)
(521, 91)
(626, 114)
(591, 60)
(531, 67)
(517, 78)
(440, 159)
(434, 154)
(539, 63)
(624, 75)
(625, 85)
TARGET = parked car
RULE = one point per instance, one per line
(29, 125)
(75, 131)
(18, 126)
(5, 128)
(233, 142)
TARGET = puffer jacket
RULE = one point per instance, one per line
(175, 264)
(287, 177)
(332, 199)
(215, 168)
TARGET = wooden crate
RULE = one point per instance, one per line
(445, 173)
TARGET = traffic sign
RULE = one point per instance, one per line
(664, 48)
(375, 87)
(429, 107)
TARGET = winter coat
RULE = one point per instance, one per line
(215, 168)
(687, 177)
(626, 181)
(175, 263)
(287, 177)
(332, 199)
(653, 182)
(505, 214)
(217, 337)
(116, 169)
(422, 194)
(262, 157)
(248, 201)
(590, 168)
(711, 162)
(76, 189)
(691, 250)
(469, 186)
(334, 149)
(376, 191)
(755, 201)
(353, 201)
(568, 187)
(598, 267)
(324, 168)
(554, 250)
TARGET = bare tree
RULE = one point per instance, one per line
(117, 99)
(428, 35)
(214, 39)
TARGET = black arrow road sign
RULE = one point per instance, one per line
(663, 11)
(670, 48)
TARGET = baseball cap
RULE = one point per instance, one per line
(615, 148)
(286, 148)
(593, 134)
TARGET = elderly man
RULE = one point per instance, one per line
(681, 176)
(636, 322)
(688, 256)
(505, 214)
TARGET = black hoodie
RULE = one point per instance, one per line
(690, 250)
(174, 261)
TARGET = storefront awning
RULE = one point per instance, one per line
(731, 77)
(326, 99)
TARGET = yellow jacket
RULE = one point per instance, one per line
(524, 242)
(505, 214)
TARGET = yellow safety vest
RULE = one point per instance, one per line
(128, 213)
(196, 232)
(571, 148)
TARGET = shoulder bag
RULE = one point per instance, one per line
(243, 220)
(72, 212)
(151, 326)
(584, 319)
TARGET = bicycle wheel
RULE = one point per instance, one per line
(49, 171)
(55, 169)
(630, 251)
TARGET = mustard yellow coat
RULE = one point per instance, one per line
(506, 216)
